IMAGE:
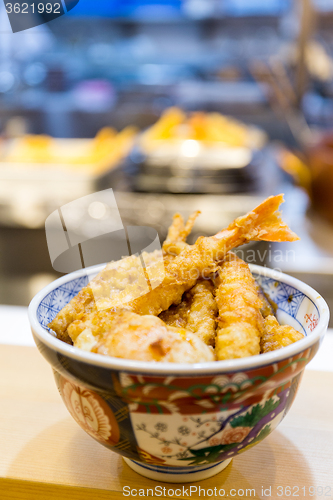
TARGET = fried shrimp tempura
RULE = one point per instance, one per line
(177, 234)
(276, 336)
(126, 273)
(263, 223)
(197, 312)
(240, 323)
(124, 334)
(201, 319)
(179, 275)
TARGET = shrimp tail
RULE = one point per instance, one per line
(262, 223)
(265, 223)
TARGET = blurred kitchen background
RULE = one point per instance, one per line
(178, 105)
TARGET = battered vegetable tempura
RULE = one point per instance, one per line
(197, 312)
(124, 334)
(276, 336)
(240, 323)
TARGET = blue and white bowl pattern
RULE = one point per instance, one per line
(293, 305)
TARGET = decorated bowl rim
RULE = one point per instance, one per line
(158, 368)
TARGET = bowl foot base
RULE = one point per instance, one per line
(177, 474)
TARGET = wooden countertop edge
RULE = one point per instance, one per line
(297, 456)
(18, 489)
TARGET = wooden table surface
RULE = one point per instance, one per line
(44, 453)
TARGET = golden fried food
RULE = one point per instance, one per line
(177, 315)
(164, 129)
(106, 150)
(214, 127)
(240, 323)
(197, 312)
(109, 288)
(202, 315)
(124, 334)
(210, 129)
(276, 336)
(181, 274)
(117, 276)
(124, 284)
(175, 241)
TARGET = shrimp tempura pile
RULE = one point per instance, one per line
(208, 303)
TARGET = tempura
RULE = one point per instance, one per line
(240, 323)
(276, 336)
(197, 312)
(124, 334)
(174, 282)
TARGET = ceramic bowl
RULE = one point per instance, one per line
(180, 422)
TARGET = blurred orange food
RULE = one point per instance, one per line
(90, 155)
(210, 128)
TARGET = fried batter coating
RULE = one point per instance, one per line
(203, 312)
(263, 223)
(276, 336)
(197, 312)
(177, 315)
(181, 274)
(110, 288)
(177, 234)
(120, 275)
(124, 334)
(240, 323)
(174, 230)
